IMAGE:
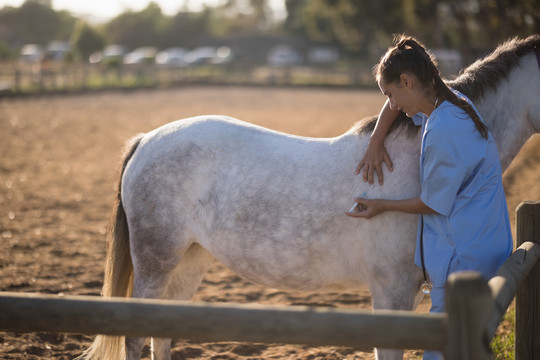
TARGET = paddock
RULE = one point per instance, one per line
(57, 175)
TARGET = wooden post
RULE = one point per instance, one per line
(527, 343)
(469, 305)
(17, 80)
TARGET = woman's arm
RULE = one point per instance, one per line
(368, 208)
(376, 153)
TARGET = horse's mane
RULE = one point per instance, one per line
(484, 74)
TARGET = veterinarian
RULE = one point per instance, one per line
(464, 223)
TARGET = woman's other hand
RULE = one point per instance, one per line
(367, 208)
(372, 161)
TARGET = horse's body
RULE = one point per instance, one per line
(270, 206)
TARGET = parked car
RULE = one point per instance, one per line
(283, 55)
(31, 53)
(171, 57)
(209, 55)
(323, 55)
(113, 52)
(142, 55)
(57, 50)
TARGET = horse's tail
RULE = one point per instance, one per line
(118, 281)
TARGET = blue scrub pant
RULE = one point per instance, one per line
(437, 306)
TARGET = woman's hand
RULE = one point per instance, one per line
(372, 161)
(367, 208)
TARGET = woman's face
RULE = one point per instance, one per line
(402, 95)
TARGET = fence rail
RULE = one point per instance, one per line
(505, 284)
(221, 322)
(474, 306)
(59, 77)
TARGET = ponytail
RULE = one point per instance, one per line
(445, 93)
(409, 56)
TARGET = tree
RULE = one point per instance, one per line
(357, 25)
(143, 28)
(46, 3)
(293, 21)
(366, 26)
(86, 40)
(34, 22)
(4, 50)
(185, 28)
(240, 17)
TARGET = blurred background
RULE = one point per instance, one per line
(63, 46)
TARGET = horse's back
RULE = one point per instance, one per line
(217, 162)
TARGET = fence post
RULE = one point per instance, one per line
(469, 306)
(527, 336)
(16, 80)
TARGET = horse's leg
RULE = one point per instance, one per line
(147, 283)
(183, 284)
(157, 248)
(396, 290)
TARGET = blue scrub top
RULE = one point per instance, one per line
(461, 180)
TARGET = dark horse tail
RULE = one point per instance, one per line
(118, 281)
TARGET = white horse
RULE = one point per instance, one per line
(270, 206)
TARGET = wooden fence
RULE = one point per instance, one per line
(475, 308)
(30, 78)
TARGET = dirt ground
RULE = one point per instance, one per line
(58, 165)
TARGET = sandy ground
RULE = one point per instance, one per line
(59, 160)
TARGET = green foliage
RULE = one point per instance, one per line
(46, 3)
(134, 29)
(358, 25)
(242, 20)
(34, 22)
(183, 27)
(503, 347)
(503, 342)
(86, 40)
(5, 53)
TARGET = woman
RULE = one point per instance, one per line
(464, 222)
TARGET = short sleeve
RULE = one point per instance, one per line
(442, 176)
(418, 119)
